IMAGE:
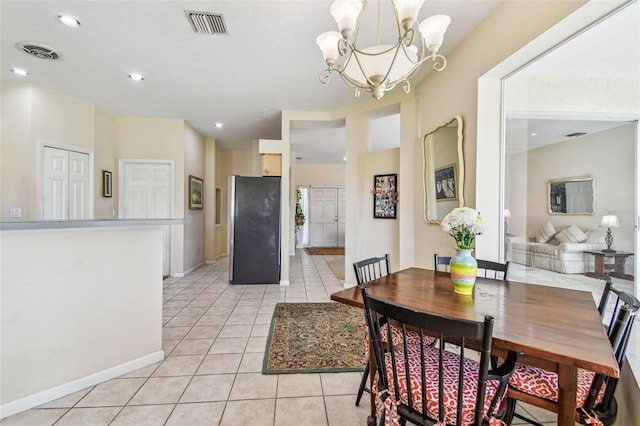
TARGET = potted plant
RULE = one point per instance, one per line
(463, 224)
(299, 218)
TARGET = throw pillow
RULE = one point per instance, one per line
(572, 234)
(545, 233)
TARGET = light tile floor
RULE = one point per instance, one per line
(214, 337)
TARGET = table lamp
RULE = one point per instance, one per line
(609, 221)
(507, 215)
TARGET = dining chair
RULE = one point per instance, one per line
(495, 270)
(374, 267)
(595, 402)
(367, 270)
(426, 384)
(441, 263)
(486, 268)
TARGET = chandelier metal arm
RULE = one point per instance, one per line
(381, 67)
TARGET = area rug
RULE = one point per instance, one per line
(315, 338)
(337, 267)
(325, 250)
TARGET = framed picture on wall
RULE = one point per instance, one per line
(385, 196)
(107, 184)
(446, 179)
(195, 193)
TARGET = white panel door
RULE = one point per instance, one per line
(342, 215)
(78, 186)
(146, 194)
(324, 217)
(65, 187)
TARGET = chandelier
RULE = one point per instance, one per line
(381, 67)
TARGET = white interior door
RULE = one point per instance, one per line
(324, 218)
(147, 194)
(342, 215)
(65, 188)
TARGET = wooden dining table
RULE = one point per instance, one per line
(552, 327)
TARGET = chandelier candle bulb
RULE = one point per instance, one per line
(379, 68)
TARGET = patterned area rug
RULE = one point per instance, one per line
(315, 338)
(325, 250)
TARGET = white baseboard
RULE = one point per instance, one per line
(210, 262)
(177, 275)
(284, 282)
(68, 388)
(190, 270)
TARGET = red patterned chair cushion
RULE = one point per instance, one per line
(413, 337)
(451, 364)
(544, 384)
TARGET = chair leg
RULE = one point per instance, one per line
(511, 413)
(363, 384)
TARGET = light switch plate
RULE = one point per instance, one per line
(15, 212)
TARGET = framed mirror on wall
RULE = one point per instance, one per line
(571, 196)
(443, 170)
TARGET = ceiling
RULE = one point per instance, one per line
(604, 52)
(268, 62)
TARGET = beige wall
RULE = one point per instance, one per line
(194, 220)
(105, 158)
(318, 175)
(382, 236)
(32, 115)
(456, 89)
(220, 231)
(155, 139)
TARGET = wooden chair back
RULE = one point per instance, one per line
(441, 263)
(411, 400)
(369, 269)
(619, 320)
(494, 270)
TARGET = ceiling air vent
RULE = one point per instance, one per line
(206, 22)
(37, 50)
(575, 135)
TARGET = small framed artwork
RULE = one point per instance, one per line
(446, 183)
(385, 196)
(107, 184)
(195, 193)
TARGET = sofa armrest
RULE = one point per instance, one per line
(579, 247)
(516, 239)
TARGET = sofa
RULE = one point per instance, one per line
(559, 250)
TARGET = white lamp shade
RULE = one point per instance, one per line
(378, 61)
(507, 213)
(346, 12)
(408, 9)
(432, 30)
(328, 43)
(609, 221)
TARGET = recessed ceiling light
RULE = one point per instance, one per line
(533, 134)
(19, 71)
(344, 158)
(219, 125)
(136, 77)
(69, 21)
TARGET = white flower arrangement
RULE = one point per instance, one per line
(463, 224)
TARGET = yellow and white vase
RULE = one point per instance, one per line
(463, 268)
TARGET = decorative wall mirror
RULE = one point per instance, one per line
(443, 170)
(571, 196)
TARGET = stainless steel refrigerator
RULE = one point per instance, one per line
(254, 230)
